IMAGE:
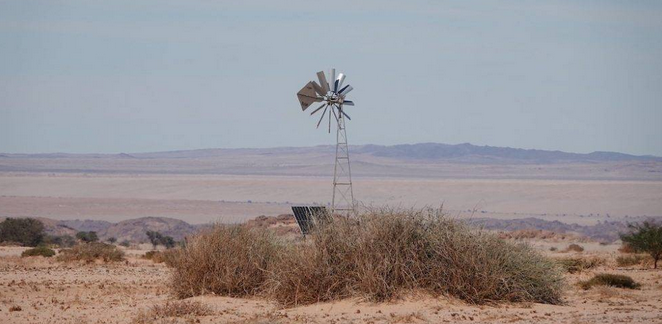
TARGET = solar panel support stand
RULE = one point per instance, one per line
(343, 194)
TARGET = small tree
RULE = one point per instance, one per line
(87, 237)
(154, 238)
(157, 238)
(645, 237)
(27, 231)
(112, 240)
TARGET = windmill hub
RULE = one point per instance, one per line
(333, 99)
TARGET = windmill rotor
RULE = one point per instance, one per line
(333, 96)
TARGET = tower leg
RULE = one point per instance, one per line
(343, 194)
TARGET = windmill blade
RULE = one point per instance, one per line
(346, 115)
(316, 110)
(330, 121)
(323, 83)
(307, 96)
(318, 123)
(348, 103)
(339, 81)
(332, 76)
(334, 114)
(345, 90)
(318, 89)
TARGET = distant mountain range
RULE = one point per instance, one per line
(421, 151)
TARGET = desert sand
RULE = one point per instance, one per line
(47, 291)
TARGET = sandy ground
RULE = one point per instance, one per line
(52, 292)
(205, 198)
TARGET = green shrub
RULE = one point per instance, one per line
(608, 279)
(87, 237)
(26, 231)
(645, 237)
(157, 239)
(579, 264)
(89, 252)
(38, 251)
(377, 256)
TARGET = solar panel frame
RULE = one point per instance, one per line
(308, 216)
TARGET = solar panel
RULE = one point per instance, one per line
(308, 216)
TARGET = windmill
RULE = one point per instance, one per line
(332, 96)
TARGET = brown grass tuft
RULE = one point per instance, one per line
(229, 260)
(377, 256)
(608, 279)
(90, 252)
(574, 248)
(579, 264)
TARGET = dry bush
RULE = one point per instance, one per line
(90, 252)
(608, 279)
(574, 248)
(626, 248)
(579, 264)
(172, 310)
(381, 254)
(631, 260)
(229, 260)
(38, 251)
(377, 256)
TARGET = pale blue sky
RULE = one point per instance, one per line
(153, 75)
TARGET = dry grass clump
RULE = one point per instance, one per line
(381, 254)
(90, 252)
(632, 260)
(579, 264)
(574, 248)
(172, 310)
(608, 279)
(38, 251)
(377, 256)
(229, 260)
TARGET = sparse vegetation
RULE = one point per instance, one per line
(608, 279)
(157, 239)
(90, 252)
(352, 257)
(64, 241)
(579, 264)
(574, 248)
(25, 231)
(87, 237)
(125, 243)
(112, 240)
(553, 249)
(38, 251)
(160, 256)
(174, 309)
(645, 237)
(630, 260)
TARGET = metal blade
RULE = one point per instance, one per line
(318, 89)
(332, 76)
(334, 115)
(307, 96)
(339, 81)
(348, 103)
(318, 123)
(330, 121)
(344, 91)
(323, 83)
(316, 110)
(346, 115)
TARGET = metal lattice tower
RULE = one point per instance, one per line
(332, 95)
(343, 194)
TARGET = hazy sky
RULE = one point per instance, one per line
(153, 75)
